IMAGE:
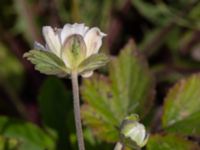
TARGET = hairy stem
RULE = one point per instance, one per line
(79, 131)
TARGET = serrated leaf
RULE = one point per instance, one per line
(129, 89)
(101, 128)
(55, 105)
(93, 62)
(170, 142)
(181, 109)
(47, 62)
(132, 82)
(30, 136)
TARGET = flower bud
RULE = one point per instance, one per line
(73, 51)
(133, 133)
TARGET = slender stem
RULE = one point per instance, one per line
(118, 146)
(121, 146)
(79, 131)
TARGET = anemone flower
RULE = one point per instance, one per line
(57, 38)
(72, 50)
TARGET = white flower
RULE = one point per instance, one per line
(55, 39)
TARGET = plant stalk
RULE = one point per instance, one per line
(118, 146)
(76, 102)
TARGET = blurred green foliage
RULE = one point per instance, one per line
(110, 100)
(10, 67)
(28, 136)
(181, 108)
(166, 142)
(166, 48)
(55, 109)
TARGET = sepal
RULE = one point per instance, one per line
(93, 62)
(47, 62)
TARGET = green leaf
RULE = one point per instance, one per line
(93, 62)
(55, 103)
(101, 127)
(170, 142)
(132, 82)
(181, 109)
(157, 14)
(47, 62)
(29, 136)
(129, 89)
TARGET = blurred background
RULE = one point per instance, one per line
(167, 32)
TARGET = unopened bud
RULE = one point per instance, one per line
(133, 133)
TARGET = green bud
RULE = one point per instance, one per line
(73, 51)
(133, 133)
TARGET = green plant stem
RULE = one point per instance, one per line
(79, 131)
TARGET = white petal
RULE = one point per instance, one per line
(93, 40)
(80, 29)
(52, 39)
(142, 132)
(39, 46)
(87, 74)
(69, 29)
(66, 32)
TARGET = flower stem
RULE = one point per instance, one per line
(118, 146)
(79, 131)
